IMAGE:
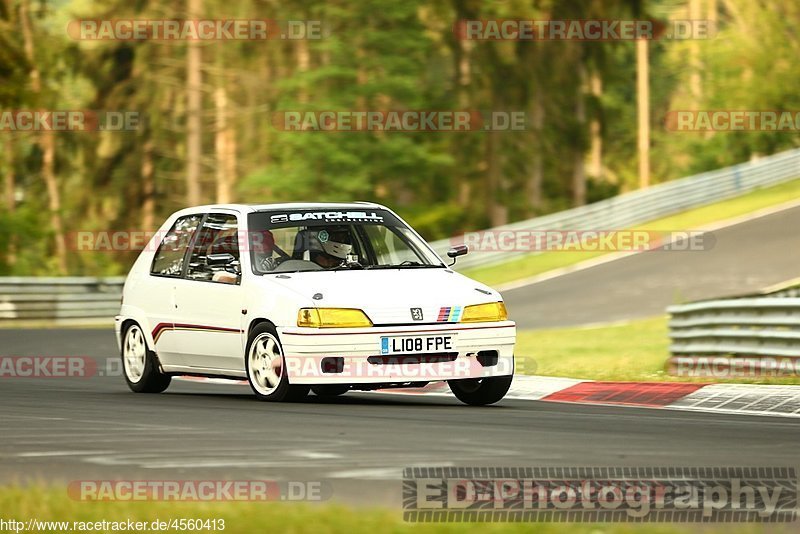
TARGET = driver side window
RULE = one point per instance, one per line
(215, 255)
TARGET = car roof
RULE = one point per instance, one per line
(249, 208)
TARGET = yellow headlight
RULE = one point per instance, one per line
(332, 318)
(484, 313)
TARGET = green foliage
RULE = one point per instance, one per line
(374, 55)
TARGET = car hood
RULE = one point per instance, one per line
(388, 295)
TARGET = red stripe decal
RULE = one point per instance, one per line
(161, 327)
(629, 393)
(203, 327)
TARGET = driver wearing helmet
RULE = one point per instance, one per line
(329, 246)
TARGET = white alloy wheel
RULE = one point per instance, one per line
(265, 363)
(134, 354)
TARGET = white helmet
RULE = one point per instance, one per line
(331, 242)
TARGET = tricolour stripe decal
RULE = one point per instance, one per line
(449, 314)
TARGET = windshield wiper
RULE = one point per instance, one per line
(347, 267)
(407, 265)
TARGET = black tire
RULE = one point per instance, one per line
(330, 390)
(481, 391)
(140, 365)
(273, 387)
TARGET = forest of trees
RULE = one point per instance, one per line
(206, 108)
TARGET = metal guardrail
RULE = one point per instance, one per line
(59, 300)
(76, 300)
(640, 206)
(763, 325)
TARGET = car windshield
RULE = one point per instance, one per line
(307, 240)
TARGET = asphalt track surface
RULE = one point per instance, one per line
(746, 257)
(66, 429)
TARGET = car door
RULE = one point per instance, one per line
(159, 290)
(209, 298)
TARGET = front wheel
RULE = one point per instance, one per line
(266, 367)
(481, 391)
(140, 365)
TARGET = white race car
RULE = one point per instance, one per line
(312, 296)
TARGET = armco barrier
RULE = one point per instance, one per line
(75, 300)
(640, 206)
(742, 329)
(59, 300)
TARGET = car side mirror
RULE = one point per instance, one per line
(456, 251)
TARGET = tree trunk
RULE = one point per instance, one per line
(148, 187)
(712, 14)
(303, 59)
(194, 98)
(9, 199)
(8, 175)
(498, 212)
(463, 82)
(695, 63)
(536, 175)
(595, 130)
(578, 168)
(47, 143)
(643, 112)
(223, 138)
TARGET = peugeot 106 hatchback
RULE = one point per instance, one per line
(299, 297)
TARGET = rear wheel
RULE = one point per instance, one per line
(140, 364)
(330, 390)
(481, 391)
(266, 367)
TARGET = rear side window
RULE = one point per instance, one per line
(218, 236)
(171, 253)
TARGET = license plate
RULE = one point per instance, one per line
(417, 344)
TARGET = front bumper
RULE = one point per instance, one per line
(353, 355)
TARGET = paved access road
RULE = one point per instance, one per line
(745, 258)
(65, 429)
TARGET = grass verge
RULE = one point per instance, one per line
(536, 264)
(52, 504)
(633, 351)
